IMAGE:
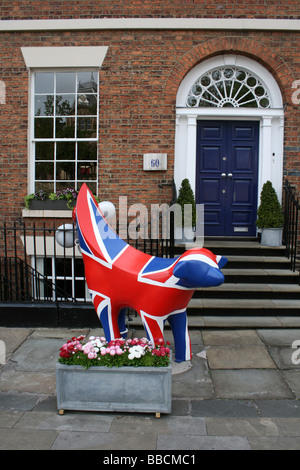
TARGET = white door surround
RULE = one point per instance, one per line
(271, 123)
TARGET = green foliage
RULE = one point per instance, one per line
(186, 196)
(269, 213)
(69, 195)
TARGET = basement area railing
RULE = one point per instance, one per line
(34, 267)
(291, 232)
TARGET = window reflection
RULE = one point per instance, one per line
(65, 127)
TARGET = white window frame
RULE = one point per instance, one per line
(58, 59)
(33, 139)
(53, 278)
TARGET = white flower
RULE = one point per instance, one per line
(136, 352)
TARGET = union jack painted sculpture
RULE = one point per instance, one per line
(119, 276)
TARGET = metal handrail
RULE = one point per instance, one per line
(291, 224)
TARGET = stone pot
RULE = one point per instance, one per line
(48, 204)
(131, 389)
(271, 236)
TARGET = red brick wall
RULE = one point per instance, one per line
(138, 85)
(16, 9)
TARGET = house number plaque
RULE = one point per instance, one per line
(155, 161)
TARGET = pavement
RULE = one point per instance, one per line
(240, 391)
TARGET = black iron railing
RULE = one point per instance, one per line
(34, 267)
(291, 223)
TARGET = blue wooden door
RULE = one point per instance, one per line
(226, 176)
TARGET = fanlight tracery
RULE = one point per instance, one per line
(232, 87)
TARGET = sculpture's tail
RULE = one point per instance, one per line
(96, 237)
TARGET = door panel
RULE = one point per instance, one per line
(227, 159)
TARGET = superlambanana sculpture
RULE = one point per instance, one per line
(119, 276)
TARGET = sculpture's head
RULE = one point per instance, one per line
(199, 267)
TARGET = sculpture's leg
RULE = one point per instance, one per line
(122, 322)
(108, 316)
(154, 327)
(179, 326)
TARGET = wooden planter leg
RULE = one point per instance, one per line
(157, 415)
(61, 412)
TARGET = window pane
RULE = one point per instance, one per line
(43, 128)
(44, 82)
(79, 289)
(63, 267)
(44, 171)
(65, 151)
(65, 171)
(65, 105)
(65, 128)
(87, 82)
(65, 82)
(49, 187)
(64, 286)
(92, 186)
(43, 105)
(86, 171)
(87, 104)
(86, 127)
(87, 151)
(44, 151)
(65, 185)
(79, 267)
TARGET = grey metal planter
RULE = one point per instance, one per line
(130, 389)
(271, 236)
(48, 204)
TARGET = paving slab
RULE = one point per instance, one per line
(292, 378)
(284, 357)
(30, 382)
(288, 426)
(249, 384)
(37, 354)
(239, 357)
(60, 333)
(192, 442)
(165, 425)
(279, 408)
(194, 382)
(18, 401)
(224, 408)
(242, 427)
(281, 337)
(89, 422)
(13, 338)
(18, 439)
(231, 337)
(77, 440)
(9, 418)
(274, 443)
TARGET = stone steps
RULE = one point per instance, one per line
(258, 282)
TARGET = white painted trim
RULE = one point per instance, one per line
(230, 60)
(42, 214)
(64, 56)
(152, 23)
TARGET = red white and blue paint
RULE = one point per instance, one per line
(119, 276)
